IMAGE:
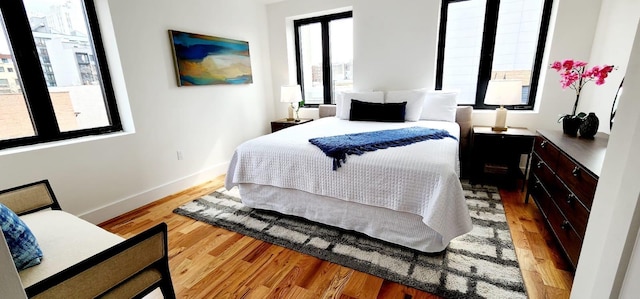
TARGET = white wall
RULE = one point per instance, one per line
(387, 34)
(102, 178)
(613, 223)
(281, 43)
(395, 44)
(612, 45)
(630, 287)
(395, 47)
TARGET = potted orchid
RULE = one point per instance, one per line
(574, 74)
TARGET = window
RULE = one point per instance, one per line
(59, 93)
(1, 69)
(324, 56)
(5, 60)
(10, 69)
(4, 82)
(485, 39)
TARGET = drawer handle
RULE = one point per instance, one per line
(571, 198)
(565, 225)
(543, 144)
(576, 171)
(535, 186)
(539, 164)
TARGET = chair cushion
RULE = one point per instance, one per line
(65, 240)
(23, 245)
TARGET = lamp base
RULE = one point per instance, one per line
(499, 129)
(291, 119)
(501, 120)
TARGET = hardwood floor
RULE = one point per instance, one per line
(211, 262)
(547, 274)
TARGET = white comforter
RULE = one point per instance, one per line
(420, 178)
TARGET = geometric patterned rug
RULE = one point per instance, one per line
(480, 264)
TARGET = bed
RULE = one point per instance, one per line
(409, 195)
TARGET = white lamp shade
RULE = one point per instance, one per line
(290, 94)
(504, 92)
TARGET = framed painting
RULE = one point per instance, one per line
(206, 60)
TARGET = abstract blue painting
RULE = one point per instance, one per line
(206, 60)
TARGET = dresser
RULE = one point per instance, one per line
(562, 181)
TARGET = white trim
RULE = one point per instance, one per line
(135, 201)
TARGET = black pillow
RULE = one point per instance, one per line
(389, 112)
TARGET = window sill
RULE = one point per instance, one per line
(53, 144)
(486, 111)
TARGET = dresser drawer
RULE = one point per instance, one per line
(569, 240)
(571, 208)
(577, 179)
(542, 171)
(567, 202)
(546, 151)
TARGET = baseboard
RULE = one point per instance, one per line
(124, 205)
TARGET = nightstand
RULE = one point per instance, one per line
(280, 124)
(495, 156)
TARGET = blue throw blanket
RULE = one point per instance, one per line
(338, 147)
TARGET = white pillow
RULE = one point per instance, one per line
(343, 104)
(440, 105)
(414, 98)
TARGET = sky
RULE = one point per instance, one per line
(41, 7)
(4, 45)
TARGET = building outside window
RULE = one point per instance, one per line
(324, 56)
(482, 40)
(58, 92)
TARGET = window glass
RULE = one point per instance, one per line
(488, 39)
(63, 44)
(311, 60)
(341, 44)
(324, 50)
(516, 40)
(15, 120)
(462, 52)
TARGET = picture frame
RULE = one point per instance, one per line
(210, 60)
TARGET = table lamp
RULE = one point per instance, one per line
(291, 94)
(503, 92)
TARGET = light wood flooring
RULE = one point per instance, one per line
(211, 262)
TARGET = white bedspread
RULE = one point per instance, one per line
(421, 178)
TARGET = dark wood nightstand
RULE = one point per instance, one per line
(495, 156)
(280, 124)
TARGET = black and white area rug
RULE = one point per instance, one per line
(480, 264)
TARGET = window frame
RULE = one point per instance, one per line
(34, 85)
(487, 49)
(326, 52)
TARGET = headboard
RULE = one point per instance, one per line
(463, 118)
